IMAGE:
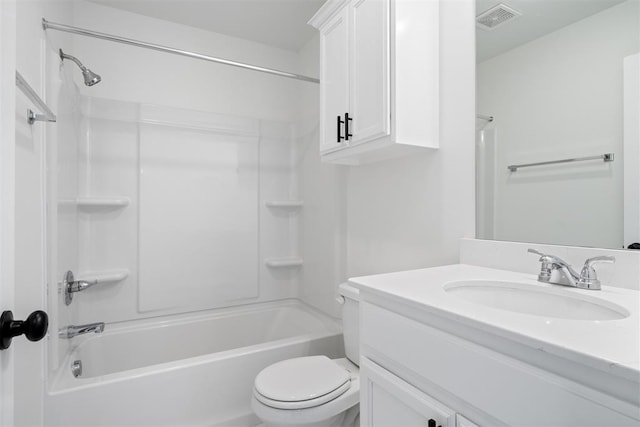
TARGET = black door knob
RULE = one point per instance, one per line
(34, 327)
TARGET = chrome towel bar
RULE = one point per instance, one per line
(607, 157)
(48, 115)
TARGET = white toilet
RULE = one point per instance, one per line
(314, 391)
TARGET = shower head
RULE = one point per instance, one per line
(90, 78)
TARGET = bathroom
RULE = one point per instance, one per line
(195, 195)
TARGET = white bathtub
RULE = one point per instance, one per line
(189, 370)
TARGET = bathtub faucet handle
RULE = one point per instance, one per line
(72, 286)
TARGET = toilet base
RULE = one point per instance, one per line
(349, 418)
(332, 422)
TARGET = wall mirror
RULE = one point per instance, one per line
(557, 124)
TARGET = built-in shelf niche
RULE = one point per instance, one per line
(284, 262)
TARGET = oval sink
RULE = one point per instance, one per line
(538, 301)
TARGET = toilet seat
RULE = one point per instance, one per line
(302, 382)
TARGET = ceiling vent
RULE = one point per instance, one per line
(496, 16)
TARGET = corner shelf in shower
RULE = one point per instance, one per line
(107, 276)
(97, 202)
(284, 262)
(286, 204)
(103, 202)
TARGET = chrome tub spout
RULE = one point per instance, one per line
(73, 330)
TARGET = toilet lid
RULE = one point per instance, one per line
(302, 382)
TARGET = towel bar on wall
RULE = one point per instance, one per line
(32, 117)
(607, 157)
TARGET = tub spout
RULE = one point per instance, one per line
(73, 330)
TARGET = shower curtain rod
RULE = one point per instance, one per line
(46, 25)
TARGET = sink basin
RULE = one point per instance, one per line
(536, 300)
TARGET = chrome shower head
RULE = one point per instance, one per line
(90, 78)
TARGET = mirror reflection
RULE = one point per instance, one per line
(557, 126)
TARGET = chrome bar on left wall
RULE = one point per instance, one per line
(47, 115)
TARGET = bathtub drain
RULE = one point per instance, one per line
(76, 368)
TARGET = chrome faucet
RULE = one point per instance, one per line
(73, 330)
(556, 271)
(71, 286)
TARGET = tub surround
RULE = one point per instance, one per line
(472, 358)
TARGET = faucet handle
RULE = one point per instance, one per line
(547, 259)
(588, 275)
(533, 251)
(603, 258)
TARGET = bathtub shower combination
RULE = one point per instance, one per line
(177, 262)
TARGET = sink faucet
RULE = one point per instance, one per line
(73, 330)
(556, 271)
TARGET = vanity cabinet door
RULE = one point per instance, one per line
(334, 75)
(388, 401)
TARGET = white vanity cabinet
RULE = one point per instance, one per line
(379, 78)
(414, 368)
(390, 401)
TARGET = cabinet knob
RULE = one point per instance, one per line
(34, 328)
(340, 137)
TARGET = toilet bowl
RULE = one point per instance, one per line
(314, 391)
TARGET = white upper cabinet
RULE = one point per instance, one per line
(379, 78)
(334, 73)
(369, 70)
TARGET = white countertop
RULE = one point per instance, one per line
(612, 346)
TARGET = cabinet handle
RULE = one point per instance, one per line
(347, 119)
(340, 137)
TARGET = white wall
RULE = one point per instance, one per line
(323, 219)
(409, 213)
(403, 213)
(141, 75)
(560, 96)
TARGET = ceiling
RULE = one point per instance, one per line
(283, 23)
(280, 23)
(539, 17)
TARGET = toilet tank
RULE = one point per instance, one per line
(351, 321)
